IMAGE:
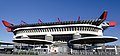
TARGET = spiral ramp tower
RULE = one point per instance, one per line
(96, 40)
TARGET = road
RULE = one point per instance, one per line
(54, 55)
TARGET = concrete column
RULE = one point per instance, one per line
(48, 49)
(14, 49)
(49, 37)
(34, 46)
(20, 46)
(71, 51)
(85, 49)
(116, 52)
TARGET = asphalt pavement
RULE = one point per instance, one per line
(54, 55)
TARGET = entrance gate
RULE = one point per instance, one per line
(42, 49)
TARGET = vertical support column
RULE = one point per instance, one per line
(20, 46)
(34, 47)
(14, 49)
(105, 49)
(71, 51)
(28, 47)
(116, 52)
(85, 50)
(48, 49)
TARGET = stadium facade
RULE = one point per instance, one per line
(61, 37)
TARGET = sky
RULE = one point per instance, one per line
(49, 10)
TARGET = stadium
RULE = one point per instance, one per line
(67, 37)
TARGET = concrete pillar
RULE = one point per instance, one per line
(71, 51)
(34, 46)
(85, 49)
(20, 46)
(116, 52)
(49, 37)
(14, 48)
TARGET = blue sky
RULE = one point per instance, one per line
(49, 10)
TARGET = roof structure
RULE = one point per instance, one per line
(6, 43)
(32, 41)
(94, 40)
(97, 22)
(92, 22)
